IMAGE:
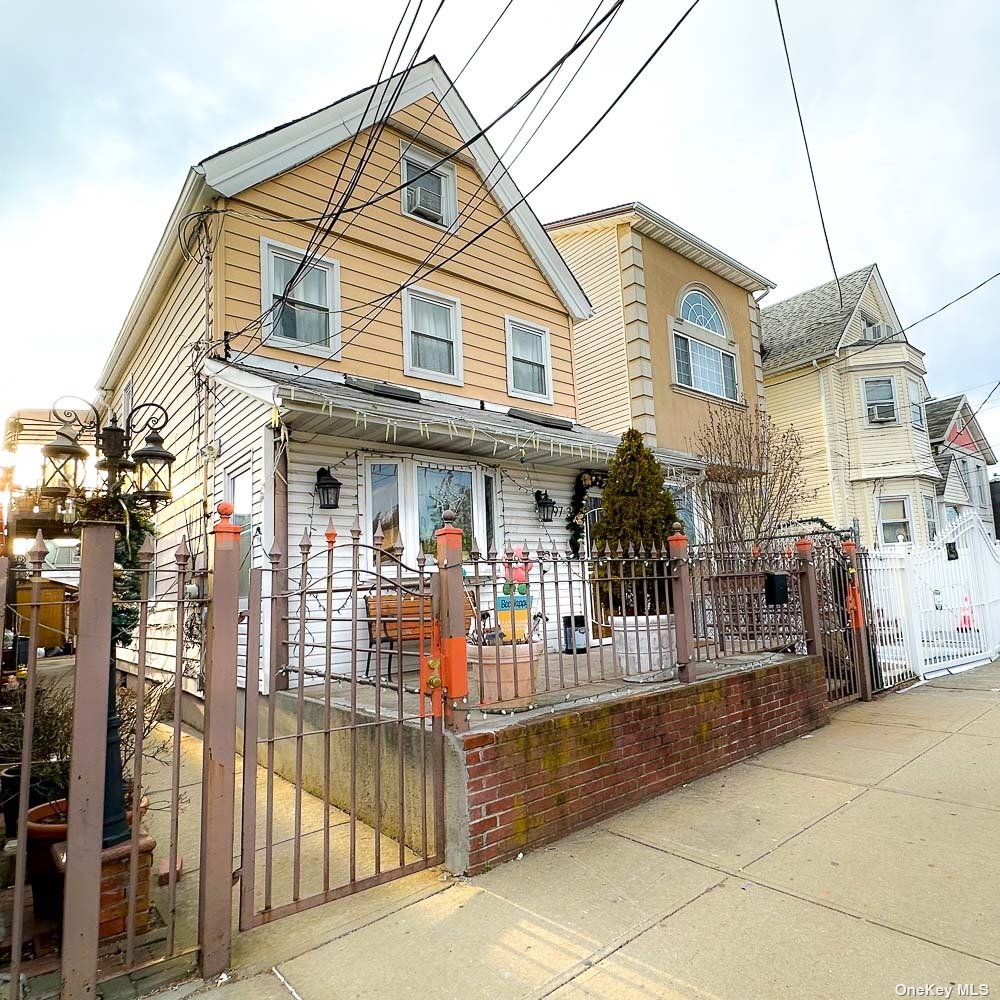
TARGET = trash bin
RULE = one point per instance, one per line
(575, 639)
(21, 657)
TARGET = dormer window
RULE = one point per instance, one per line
(429, 194)
(875, 329)
(698, 308)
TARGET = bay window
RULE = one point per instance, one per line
(894, 520)
(408, 498)
(705, 368)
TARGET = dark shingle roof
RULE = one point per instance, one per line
(943, 463)
(940, 413)
(809, 325)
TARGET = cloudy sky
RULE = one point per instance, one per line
(107, 104)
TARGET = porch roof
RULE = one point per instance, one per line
(373, 411)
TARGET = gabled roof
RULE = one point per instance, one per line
(660, 228)
(241, 166)
(940, 414)
(810, 325)
(943, 413)
(943, 461)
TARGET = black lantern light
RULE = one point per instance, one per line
(327, 489)
(152, 463)
(545, 506)
(62, 471)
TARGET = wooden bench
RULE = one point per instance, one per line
(394, 618)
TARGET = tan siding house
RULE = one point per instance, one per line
(421, 350)
(853, 387)
(675, 330)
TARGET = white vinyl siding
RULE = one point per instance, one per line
(528, 360)
(432, 336)
(705, 368)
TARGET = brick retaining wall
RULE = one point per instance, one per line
(532, 783)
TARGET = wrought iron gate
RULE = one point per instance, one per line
(343, 766)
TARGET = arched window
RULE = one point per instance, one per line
(698, 308)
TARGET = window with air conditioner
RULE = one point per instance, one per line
(879, 401)
(875, 329)
(429, 191)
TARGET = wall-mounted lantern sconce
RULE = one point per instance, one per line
(327, 489)
(545, 506)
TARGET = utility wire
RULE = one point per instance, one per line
(805, 142)
(870, 345)
(618, 98)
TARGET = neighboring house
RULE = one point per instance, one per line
(458, 391)
(675, 329)
(962, 454)
(847, 379)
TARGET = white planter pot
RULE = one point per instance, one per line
(645, 645)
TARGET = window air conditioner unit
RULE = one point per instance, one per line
(879, 331)
(427, 204)
(882, 413)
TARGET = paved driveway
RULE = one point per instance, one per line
(852, 863)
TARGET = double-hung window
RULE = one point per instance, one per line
(880, 401)
(930, 516)
(407, 498)
(300, 302)
(894, 520)
(916, 403)
(432, 336)
(429, 187)
(529, 365)
(705, 368)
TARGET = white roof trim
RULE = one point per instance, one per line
(880, 284)
(257, 160)
(660, 228)
(166, 259)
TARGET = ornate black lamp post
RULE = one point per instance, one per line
(143, 474)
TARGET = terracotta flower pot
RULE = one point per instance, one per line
(500, 660)
(47, 826)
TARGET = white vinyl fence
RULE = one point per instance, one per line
(935, 609)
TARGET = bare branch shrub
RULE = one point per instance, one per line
(754, 484)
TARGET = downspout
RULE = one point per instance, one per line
(279, 584)
(829, 448)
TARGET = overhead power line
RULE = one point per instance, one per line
(805, 142)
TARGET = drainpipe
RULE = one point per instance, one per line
(279, 583)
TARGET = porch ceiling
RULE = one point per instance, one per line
(318, 406)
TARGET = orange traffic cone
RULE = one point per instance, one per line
(965, 622)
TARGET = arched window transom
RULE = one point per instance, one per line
(699, 309)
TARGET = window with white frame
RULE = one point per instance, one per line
(916, 403)
(429, 192)
(127, 400)
(875, 329)
(698, 308)
(529, 363)
(894, 520)
(930, 517)
(302, 307)
(407, 498)
(705, 368)
(981, 487)
(880, 401)
(432, 335)
(239, 492)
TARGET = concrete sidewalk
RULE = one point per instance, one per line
(858, 859)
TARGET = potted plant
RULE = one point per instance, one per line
(508, 641)
(631, 552)
(47, 821)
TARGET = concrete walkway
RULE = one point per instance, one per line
(859, 859)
